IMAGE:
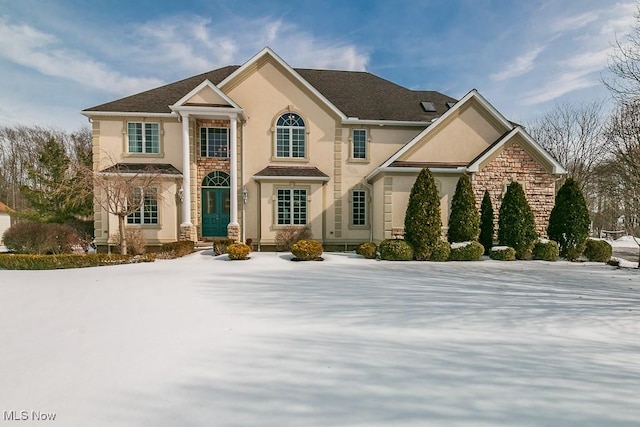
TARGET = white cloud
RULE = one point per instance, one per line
(575, 22)
(558, 86)
(521, 65)
(31, 48)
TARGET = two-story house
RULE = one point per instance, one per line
(247, 150)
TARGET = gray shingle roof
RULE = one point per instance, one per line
(156, 168)
(288, 171)
(357, 94)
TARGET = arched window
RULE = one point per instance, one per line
(290, 136)
(216, 179)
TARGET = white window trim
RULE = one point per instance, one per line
(277, 206)
(144, 138)
(352, 225)
(200, 137)
(141, 209)
(274, 156)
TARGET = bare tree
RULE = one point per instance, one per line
(573, 134)
(624, 63)
(624, 137)
(124, 190)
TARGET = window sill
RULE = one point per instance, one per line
(351, 160)
(155, 155)
(290, 159)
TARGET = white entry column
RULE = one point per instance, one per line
(233, 230)
(186, 224)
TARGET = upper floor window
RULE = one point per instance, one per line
(143, 137)
(148, 202)
(214, 142)
(359, 144)
(290, 136)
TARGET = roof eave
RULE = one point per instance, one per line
(125, 114)
(365, 122)
(290, 178)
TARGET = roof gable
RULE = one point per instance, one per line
(206, 94)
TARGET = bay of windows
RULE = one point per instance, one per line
(292, 206)
(143, 137)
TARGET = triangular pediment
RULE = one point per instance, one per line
(206, 94)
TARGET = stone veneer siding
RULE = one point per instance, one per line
(206, 165)
(515, 163)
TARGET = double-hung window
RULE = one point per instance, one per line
(290, 136)
(147, 200)
(359, 207)
(144, 138)
(292, 206)
(359, 144)
(214, 142)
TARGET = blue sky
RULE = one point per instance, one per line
(58, 57)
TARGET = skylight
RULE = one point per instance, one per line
(428, 107)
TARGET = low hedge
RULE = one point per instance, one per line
(178, 249)
(502, 253)
(471, 251)
(53, 262)
(546, 250)
(441, 251)
(598, 250)
(368, 250)
(395, 250)
(238, 251)
(306, 250)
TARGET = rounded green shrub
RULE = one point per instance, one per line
(466, 251)
(422, 223)
(598, 250)
(464, 221)
(502, 253)
(569, 221)
(441, 251)
(516, 224)
(306, 250)
(486, 223)
(396, 250)
(546, 250)
(238, 251)
(368, 250)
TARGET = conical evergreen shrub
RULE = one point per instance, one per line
(464, 221)
(516, 224)
(569, 221)
(486, 223)
(422, 223)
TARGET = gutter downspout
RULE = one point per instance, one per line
(369, 210)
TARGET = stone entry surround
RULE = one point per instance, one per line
(516, 164)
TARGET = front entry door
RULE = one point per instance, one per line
(215, 212)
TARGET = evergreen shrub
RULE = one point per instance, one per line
(569, 221)
(306, 250)
(598, 250)
(422, 223)
(502, 253)
(516, 224)
(368, 250)
(238, 251)
(486, 223)
(396, 250)
(441, 251)
(464, 221)
(546, 250)
(466, 251)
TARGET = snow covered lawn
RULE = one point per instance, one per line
(344, 342)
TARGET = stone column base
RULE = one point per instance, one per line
(233, 232)
(187, 232)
